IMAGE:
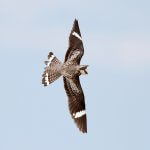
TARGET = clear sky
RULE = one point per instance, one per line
(116, 36)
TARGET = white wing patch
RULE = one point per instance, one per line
(77, 35)
(79, 114)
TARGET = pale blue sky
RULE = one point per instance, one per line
(116, 36)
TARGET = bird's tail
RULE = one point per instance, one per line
(52, 70)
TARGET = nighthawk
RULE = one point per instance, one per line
(70, 70)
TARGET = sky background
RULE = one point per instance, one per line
(116, 36)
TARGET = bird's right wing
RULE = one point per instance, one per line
(76, 102)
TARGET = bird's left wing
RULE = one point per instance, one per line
(75, 43)
(76, 102)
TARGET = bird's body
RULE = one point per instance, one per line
(70, 70)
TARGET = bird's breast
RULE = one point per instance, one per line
(69, 71)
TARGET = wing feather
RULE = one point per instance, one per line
(75, 43)
(76, 103)
(73, 87)
(51, 71)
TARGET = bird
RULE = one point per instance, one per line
(70, 70)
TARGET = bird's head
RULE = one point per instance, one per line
(82, 69)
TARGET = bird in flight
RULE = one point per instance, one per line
(70, 70)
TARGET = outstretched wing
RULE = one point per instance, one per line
(72, 86)
(76, 102)
(75, 43)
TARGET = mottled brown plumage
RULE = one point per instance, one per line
(71, 70)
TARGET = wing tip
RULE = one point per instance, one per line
(84, 131)
(76, 27)
(75, 20)
(81, 124)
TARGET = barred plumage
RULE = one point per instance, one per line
(52, 70)
(71, 70)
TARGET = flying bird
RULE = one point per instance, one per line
(70, 70)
